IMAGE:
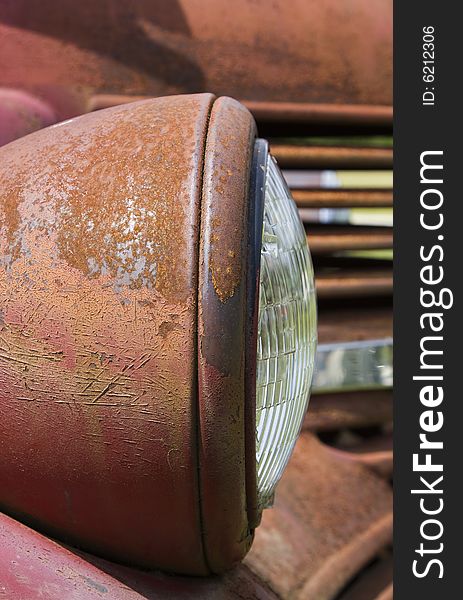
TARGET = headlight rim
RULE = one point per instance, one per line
(227, 326)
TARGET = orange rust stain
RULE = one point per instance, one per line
(113, 195)
(229, 145)
(97, 275)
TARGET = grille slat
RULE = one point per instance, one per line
(342, 198)
(328, 157)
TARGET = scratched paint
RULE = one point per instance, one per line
(99, 238)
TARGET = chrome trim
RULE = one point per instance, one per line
(349, 366)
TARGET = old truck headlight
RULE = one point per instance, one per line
(157, 321)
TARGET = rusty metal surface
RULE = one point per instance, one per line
(352, 284)
(331, 157)
(329, 412)
(336, 114)
(376, 455)
(387, 593)
(292, 116)
(227, 452)
(98, 286)
(324, 240)
(342, 198)
(342, 324)
(33, 567)
(239, 583)
(375, 583)
(381, 461)
(21, 113)
(182, 46)
(259, 577)
(354, 322)
(332, 512)
(330, 518)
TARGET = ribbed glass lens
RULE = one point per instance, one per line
(286, 333)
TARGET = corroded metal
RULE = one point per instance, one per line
(338, 115)
(387, 593)
(331, 412)
(377, 457)
(342, 323)
(342, 198)
(332, 513)
(287, 115)
(33, 567)
(374, 582)
(143, 377)
(306, 51)
(334, 516)
(98, 287)
(331, 157)
(325, 240)
(353, 284)
(227, 448)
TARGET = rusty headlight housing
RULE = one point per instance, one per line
(129, 293)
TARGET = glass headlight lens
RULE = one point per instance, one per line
(286, 333)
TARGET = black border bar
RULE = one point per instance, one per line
(429, 133)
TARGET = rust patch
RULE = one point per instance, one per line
(108, 191)
(226, 269)
(226, 182)
(98, 292)
(222, 330)
(330, 518)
